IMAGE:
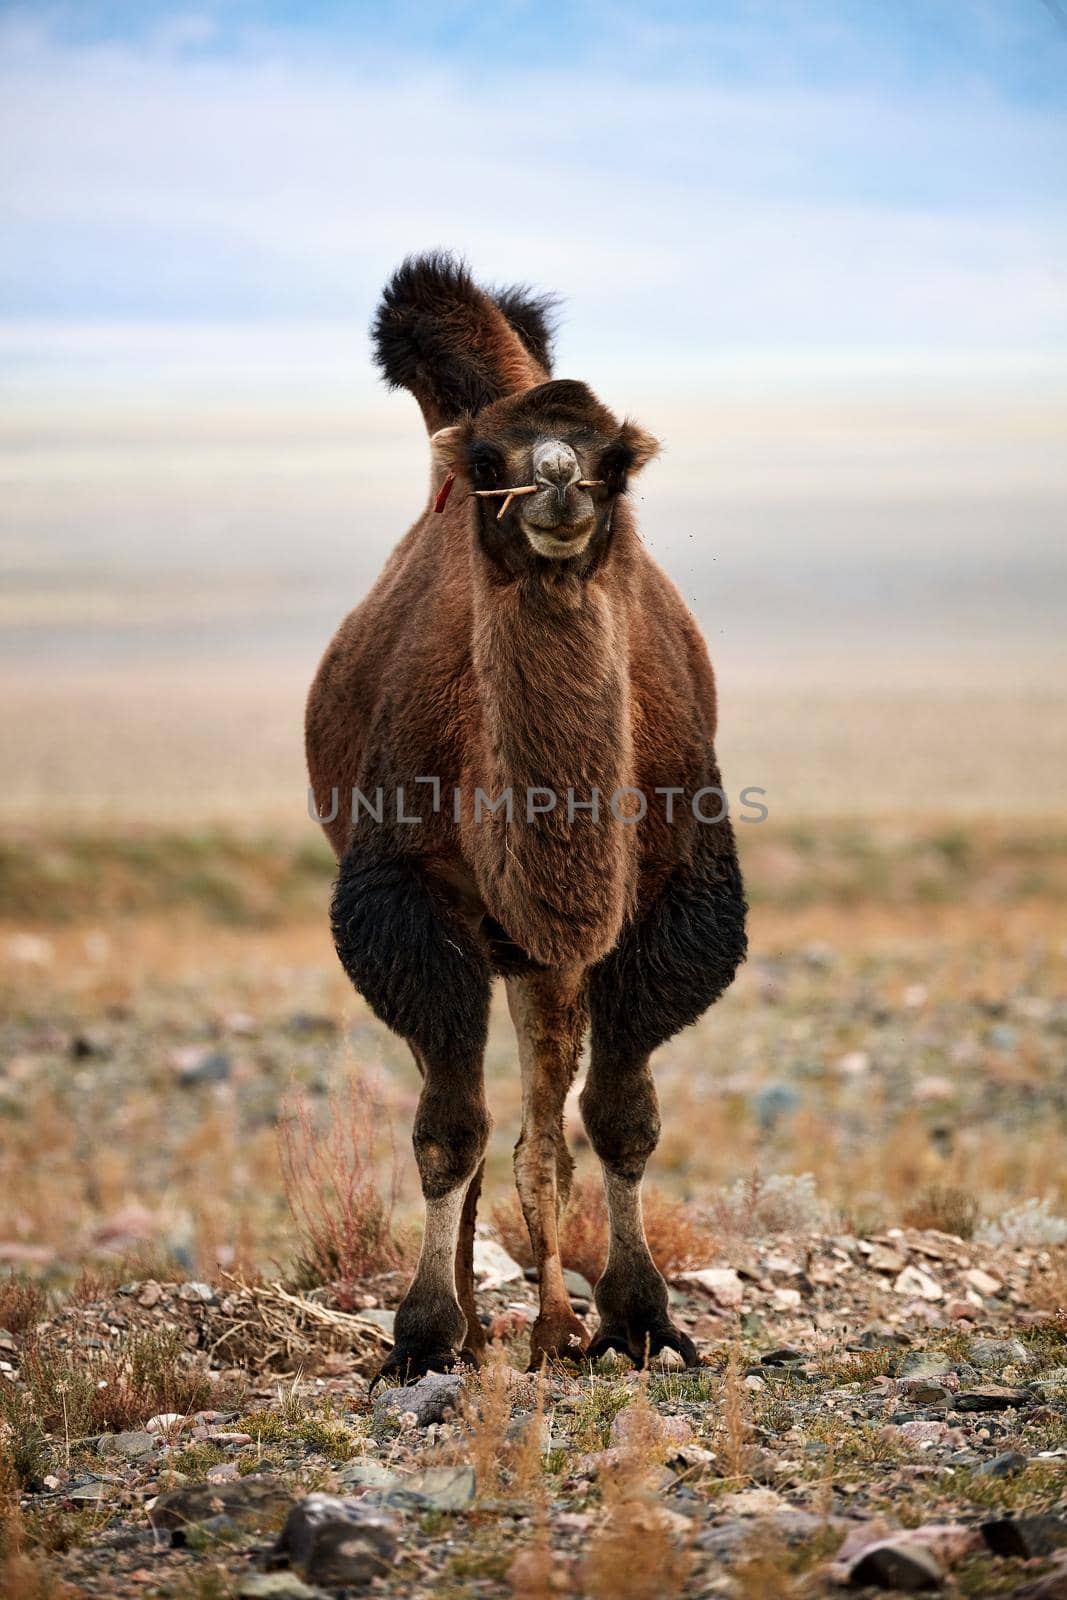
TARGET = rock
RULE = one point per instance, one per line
(492, 1264)
(149, 1294)
(576, 1285)
(90, 1491)
(722, 1283)
(1053, 1586)
(630, 1426)
(774, 1101)
(337, 1541)
(923, 1364)
(883, 1258)
(195, 1064)
(924, 1392)
(366, 1473)
(167, 1422)
(990, 1397)
(276, 1586)
(434, 1489)
(432, 1399)
(893, 1564)
(982, 1282)
(250, 1502)
(999, 1352)
(381, 1318)
(194, 1293)
(130, 1445)
(913, 1281)
(784, 1356)
(924, 1433)
(1003, 1466)
(753, 1502)
(1025, 1536)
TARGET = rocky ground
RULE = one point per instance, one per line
(874, 1413)
(858, 1200)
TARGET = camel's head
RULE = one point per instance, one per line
(565, 456)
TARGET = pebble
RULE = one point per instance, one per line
(338, 1541)
(1025, 1536)
(576, 1285)
(434, 1489)
(895, 1565)
(990, 1397)
(913, 1281)
(722, 1283)
(131, 1445)
(381, 1318)
(493, 1266)
(166, 1422)
(433, 1399)
(1003, 1466)
(276, 1586)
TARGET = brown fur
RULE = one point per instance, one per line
(481, 663)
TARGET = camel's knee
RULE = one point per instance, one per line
(450, 1137)
(622, 1123)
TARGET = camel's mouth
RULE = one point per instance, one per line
(562, 542)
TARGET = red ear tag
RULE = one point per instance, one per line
(443, 492)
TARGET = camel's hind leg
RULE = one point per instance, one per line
(475, 1342)
(548, 1010)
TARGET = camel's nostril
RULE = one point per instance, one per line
(555, 466)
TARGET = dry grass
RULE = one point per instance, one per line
(333, 1183)
(736, 1419)
(635, 1554)
(72, 1393)
(942, 1206)
(23, 1304)
(677, 1236)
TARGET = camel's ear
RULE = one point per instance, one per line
(627, 454)
(448, 446)
(643, 446)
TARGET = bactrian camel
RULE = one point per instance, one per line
(508, 740)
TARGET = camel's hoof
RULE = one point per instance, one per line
(644, 1346)
(608, 1342)
(561, 1338)
(408, 1363)
(669, 1341)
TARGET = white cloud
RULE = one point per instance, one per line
(677, 222)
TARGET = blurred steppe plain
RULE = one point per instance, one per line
(876, 557)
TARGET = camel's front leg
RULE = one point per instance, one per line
(415, 962)
(548, 1010)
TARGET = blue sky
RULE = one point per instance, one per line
(697, 181)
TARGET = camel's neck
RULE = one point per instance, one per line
(551, 665)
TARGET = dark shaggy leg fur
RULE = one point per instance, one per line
(664, 973)
(421, 971)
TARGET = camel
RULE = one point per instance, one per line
(510, 744)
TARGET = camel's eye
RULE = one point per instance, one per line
(486, 466)
(615, 463)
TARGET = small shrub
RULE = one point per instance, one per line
(27, 1577)
(677, 1237)
(782, 1203)
(345, 1220)
(945, 1208)
(1031, 1224)
(23, 1304)
(76, 1393)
